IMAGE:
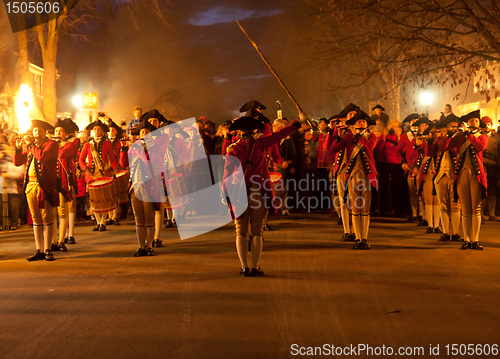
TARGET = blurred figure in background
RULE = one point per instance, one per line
(491, 158)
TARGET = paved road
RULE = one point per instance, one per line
(97, 301)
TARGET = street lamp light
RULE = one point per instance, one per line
(426, 98)
(78, 102)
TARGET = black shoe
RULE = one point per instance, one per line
(423, 224)
(420, 218)
(37, 256)
(141, 252)
(54, 247)
(169, 224)
(466, 245)
(339, 221)
(102, 228)
(150, 252)
(353, 237)
(438, 230)
(429, 230)
(66, 240)
(477, 246)
(256, 272)
(365, 244)
(357, 244)
(62, 247)
(70, 240)
(49, 257)
(457, 238)
(444, 237)
(174, 223)
(412, 219)
(116, 222)
(96, 228)
(157, 243)
(346, 237)
(110, 222)
(245, 272)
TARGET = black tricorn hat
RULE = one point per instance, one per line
(444, 121)
(104, 127)
(143, 124)
(41, 124)
(173, 124)
(422, 120)
(413, 116)
(349, 108)
(153, 114)
(71, 124)
(64, 125)
(257, 114)
(378, 106)
(252, 104)
(361, 115)
(428, 129)
(473, 114)
(112, 124)
(334, 118)
(246, 123)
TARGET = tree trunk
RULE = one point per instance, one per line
(23, 58)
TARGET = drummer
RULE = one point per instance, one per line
(98, 160)
(143, 194)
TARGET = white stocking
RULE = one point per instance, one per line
(158, 223)
(356, 225)
(445, 220)
(242, 249)
(455, 222)
(141, 236)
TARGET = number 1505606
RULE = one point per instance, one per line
(471, 349)
(40, 7)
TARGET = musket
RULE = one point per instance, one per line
(275, 74)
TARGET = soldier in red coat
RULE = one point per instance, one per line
(72, 208)
(360, 174)
(444, 178)
(340, 130)
(146, 188)
(40, 184)
(67, 151)
(97, 160)
(470, 177)
(250, 150)
(408, 157)
(115, 134)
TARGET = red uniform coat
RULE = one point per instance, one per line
(46, 170)
(258, 172)
(147, 165)
(347, 142)
(477, 146)
(66, 159)
(407, 154)
(107, 155)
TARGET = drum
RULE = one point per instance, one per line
(102, 195)
(121, 186)
(178, 192)
(278, 185)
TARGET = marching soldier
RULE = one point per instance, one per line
(251, 153)
(424, 142)
(470, 177)
(66, 155)
(97, 160)
(339, 131)
(115, 134)
(144, 191)
(360, 172)
(408, 156)
(444, 178)
(40, 186)
(72, 208)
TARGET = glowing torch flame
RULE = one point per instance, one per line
(24, 103)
